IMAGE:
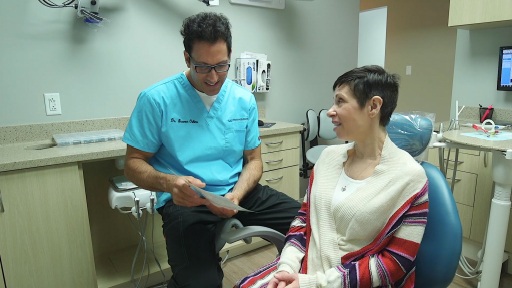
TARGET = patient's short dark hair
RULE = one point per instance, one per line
(372, 80)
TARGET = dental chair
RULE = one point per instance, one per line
(316, 127)
(308, 135)
(441, 246)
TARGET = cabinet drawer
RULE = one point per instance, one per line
(285, 180)
(280, 159)
(464, 188)
(469, 161)
(274, 143)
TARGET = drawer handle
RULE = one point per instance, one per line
(274, 161)
(458, 162)
(2, 210)
(274, 143)
(274, 179)
(456, 179)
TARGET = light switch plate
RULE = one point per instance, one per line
(274, 4)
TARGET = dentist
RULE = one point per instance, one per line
(198, 127)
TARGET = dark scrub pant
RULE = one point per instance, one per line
(190, 234)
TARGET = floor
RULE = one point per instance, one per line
(238, 267)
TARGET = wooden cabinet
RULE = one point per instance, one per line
(472, 188)
(478, 13)
(45, 237)
(2, 282)
(281, 155)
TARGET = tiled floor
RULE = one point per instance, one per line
(458, 282)
(238, 267)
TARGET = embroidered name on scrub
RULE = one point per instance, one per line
(239, 119)
(184, 121)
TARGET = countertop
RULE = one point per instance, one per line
(457, 136)
(37, 153)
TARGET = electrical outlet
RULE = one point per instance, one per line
(52, 104)
(408, 70)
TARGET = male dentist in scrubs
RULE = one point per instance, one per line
(199, 128)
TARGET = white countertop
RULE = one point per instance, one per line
(457, 136)
(22, 155)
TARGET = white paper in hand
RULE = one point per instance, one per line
(219, 201)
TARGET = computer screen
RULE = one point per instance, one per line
(505, 69)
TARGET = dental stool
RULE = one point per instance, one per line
(126, 197)
(231, 230)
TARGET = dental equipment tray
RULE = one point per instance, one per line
(87, 137)
(121, 183)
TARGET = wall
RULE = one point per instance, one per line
(372, 37)
(418, 36)
(476, 68)
(99, 71)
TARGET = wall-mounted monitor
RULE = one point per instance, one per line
(505, 69)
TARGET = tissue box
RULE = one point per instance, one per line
(263, 76)
(245, 70)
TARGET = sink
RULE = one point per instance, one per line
(40, 146)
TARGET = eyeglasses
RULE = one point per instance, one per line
(205, 69)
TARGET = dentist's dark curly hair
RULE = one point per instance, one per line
(206, 26)
(372, 80)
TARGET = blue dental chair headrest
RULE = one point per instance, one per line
(410, 132)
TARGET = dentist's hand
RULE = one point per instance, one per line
(183, 195)
(224, 212)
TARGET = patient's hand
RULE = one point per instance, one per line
(284, 279)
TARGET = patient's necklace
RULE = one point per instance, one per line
(355, 177)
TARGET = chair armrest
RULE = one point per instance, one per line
(273, 236)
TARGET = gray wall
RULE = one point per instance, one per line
(372, 37)
(476, 68)
(99, 71)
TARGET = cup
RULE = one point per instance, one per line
(485, 113)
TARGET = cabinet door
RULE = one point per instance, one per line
(2, 282)
(45, 237)
(464, 188)
(465, 183)
(469, 12)
(466, 218)
(472, 191)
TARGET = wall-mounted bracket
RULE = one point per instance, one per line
(275, 4)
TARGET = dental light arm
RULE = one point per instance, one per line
(88, 9)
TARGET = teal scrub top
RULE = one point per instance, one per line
(171, 121)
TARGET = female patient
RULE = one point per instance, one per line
(365, 211)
